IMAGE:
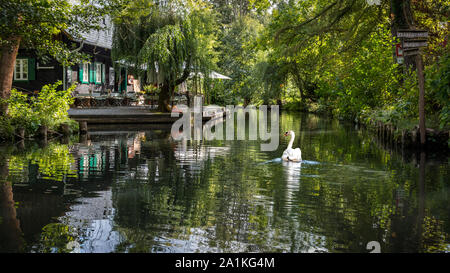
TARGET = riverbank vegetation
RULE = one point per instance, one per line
(334, 57)
(35, 25)
(29, 113)
(322, 56)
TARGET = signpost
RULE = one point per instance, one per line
(399, 53)
(410, 52)
(412, 41)
(412, 33)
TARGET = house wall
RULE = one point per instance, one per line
(43, 76)
(98, 55)
(51, 71)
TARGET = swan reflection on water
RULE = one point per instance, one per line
(292, 174)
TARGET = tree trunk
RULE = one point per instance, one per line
(168, 89)
(279, 102)
(7, 63)
(164, 97)
(10, 232)
(188, 99)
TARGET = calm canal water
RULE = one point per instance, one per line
(140, 191)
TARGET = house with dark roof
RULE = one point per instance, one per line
(97, 76)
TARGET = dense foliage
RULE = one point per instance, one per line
(439, 84)
(37, 22)
(49, 108)
(339, 56)
(335, 57)
(38, 25)
(165, 42)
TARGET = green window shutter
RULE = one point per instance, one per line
(103, 73)
(81, 164)
(81, 72)
(31, 69)
(95, 72)
(91, 73)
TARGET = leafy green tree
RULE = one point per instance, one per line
(329, 50)
(346, 85)
(239, 57)
(36, 24)
(230, 10)
(440, 82)
(166, 42)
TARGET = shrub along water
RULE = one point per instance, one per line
(49, 108)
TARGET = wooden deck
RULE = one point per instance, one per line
(123, 115)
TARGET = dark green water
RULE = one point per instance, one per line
(140, 191)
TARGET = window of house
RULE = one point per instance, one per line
(111, 76)
(21, 70)
(85, 72)
(98, 73)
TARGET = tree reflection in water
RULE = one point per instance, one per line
(128, 191)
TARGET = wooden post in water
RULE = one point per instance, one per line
(84, 139)
(421, 197)
(42, 133)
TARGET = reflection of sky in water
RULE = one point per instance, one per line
(92, 219)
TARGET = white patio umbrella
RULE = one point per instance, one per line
(212, 75)
(215, 75)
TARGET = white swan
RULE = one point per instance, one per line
(291, 154)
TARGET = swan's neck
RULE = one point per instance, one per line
(291, 141)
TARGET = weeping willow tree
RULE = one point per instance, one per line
(164, 42)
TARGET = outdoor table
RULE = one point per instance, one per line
(117, 101)
(98, 101)
(85, 101)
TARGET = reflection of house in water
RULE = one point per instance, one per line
(97, 161)
(107, 151)
(193, 154)
(134, 145)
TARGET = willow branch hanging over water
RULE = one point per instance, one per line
(164, 42)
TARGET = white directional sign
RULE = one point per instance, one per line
(411, 34)
(411, 52)
(414, 43)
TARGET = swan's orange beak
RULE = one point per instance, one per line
(286, 134)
